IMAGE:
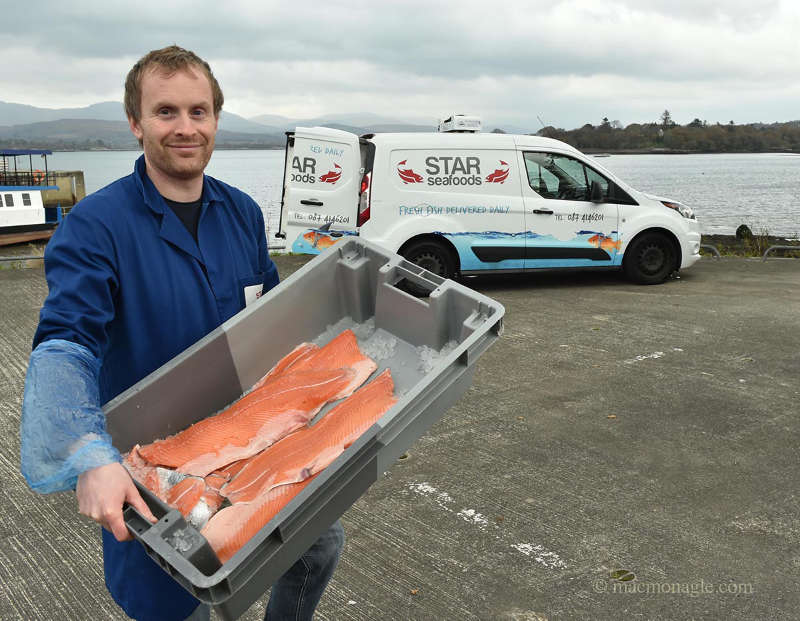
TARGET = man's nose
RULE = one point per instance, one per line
(184, 124)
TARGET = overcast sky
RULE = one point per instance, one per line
(509, 61)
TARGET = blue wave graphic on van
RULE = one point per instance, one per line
(496, 250)
(314, 241)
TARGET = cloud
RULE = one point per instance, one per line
(413, 59)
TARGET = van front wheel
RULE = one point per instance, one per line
(649, 259)
(431, 256)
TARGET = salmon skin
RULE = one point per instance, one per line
(283, 402)
(234, 526)
(309, 450)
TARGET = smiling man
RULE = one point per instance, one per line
(138, 272)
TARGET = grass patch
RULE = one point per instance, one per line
(750, 246)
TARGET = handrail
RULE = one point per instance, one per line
(713, 249)
(767, 251)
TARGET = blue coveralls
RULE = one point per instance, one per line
(128, 282)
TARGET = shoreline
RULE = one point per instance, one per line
(727, 245)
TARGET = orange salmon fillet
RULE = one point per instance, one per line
(195, 499)
(285, 363)
(309, 450)
(251, 424)
(234, 526)
(341, 351)
(287, 398)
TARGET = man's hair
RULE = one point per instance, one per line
(168, 60)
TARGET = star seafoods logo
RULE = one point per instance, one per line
(332, 176)
(500, 174)
(407, 174)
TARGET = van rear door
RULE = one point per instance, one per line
(321, 182)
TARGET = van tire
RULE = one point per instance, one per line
(432, 256)
(649, 259)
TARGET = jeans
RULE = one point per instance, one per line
(297, 592)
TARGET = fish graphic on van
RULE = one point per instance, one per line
(332, 176)
(605, 242)
(407, 174)
(319, 240)
(500, 174)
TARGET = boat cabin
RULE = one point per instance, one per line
(23, 216)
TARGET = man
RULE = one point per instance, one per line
(137, 272)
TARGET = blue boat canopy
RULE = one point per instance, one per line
(15, 152)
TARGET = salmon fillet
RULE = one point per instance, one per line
(341, 351)
(309, 450)
(144, 472)
(195, 499)
(285, 400)
(234, 526)
(285, 363)
(251, 424)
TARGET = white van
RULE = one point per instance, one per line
(465, 203)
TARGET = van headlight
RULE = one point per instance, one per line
(680, 208)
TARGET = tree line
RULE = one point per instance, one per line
(666, 135)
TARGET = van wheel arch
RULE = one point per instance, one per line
(642, 254)
(433, 241)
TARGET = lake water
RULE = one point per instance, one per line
(761, 190)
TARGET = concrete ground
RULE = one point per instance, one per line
(624, 452)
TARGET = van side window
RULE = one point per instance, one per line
(9, 200)
(26, 200)
(1, 200)
(560, 177)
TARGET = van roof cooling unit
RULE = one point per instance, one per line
(460, 123)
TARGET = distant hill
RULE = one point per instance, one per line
(104, 126)
(21, 114)
(97, 134)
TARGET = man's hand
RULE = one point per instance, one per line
(101, 494)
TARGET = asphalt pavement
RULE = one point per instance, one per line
(624, 452)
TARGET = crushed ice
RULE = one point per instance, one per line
(182, 540)
(364, 330)
(200, 514)
(429, 358)
(379, 346)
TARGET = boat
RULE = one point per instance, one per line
(23, 213)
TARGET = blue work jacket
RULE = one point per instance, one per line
(128, 281)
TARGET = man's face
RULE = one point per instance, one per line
(177, 125)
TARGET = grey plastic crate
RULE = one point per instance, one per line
(354, 284)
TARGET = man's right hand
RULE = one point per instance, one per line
(101, 493)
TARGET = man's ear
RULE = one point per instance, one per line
(135, 128)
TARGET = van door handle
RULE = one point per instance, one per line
(316, 203)
(548, 212)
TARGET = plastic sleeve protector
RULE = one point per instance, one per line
(63, 429)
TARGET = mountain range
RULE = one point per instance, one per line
(103, 125)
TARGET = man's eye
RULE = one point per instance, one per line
(164, 112)
(199, 112)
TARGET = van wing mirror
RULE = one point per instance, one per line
(596, 193)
